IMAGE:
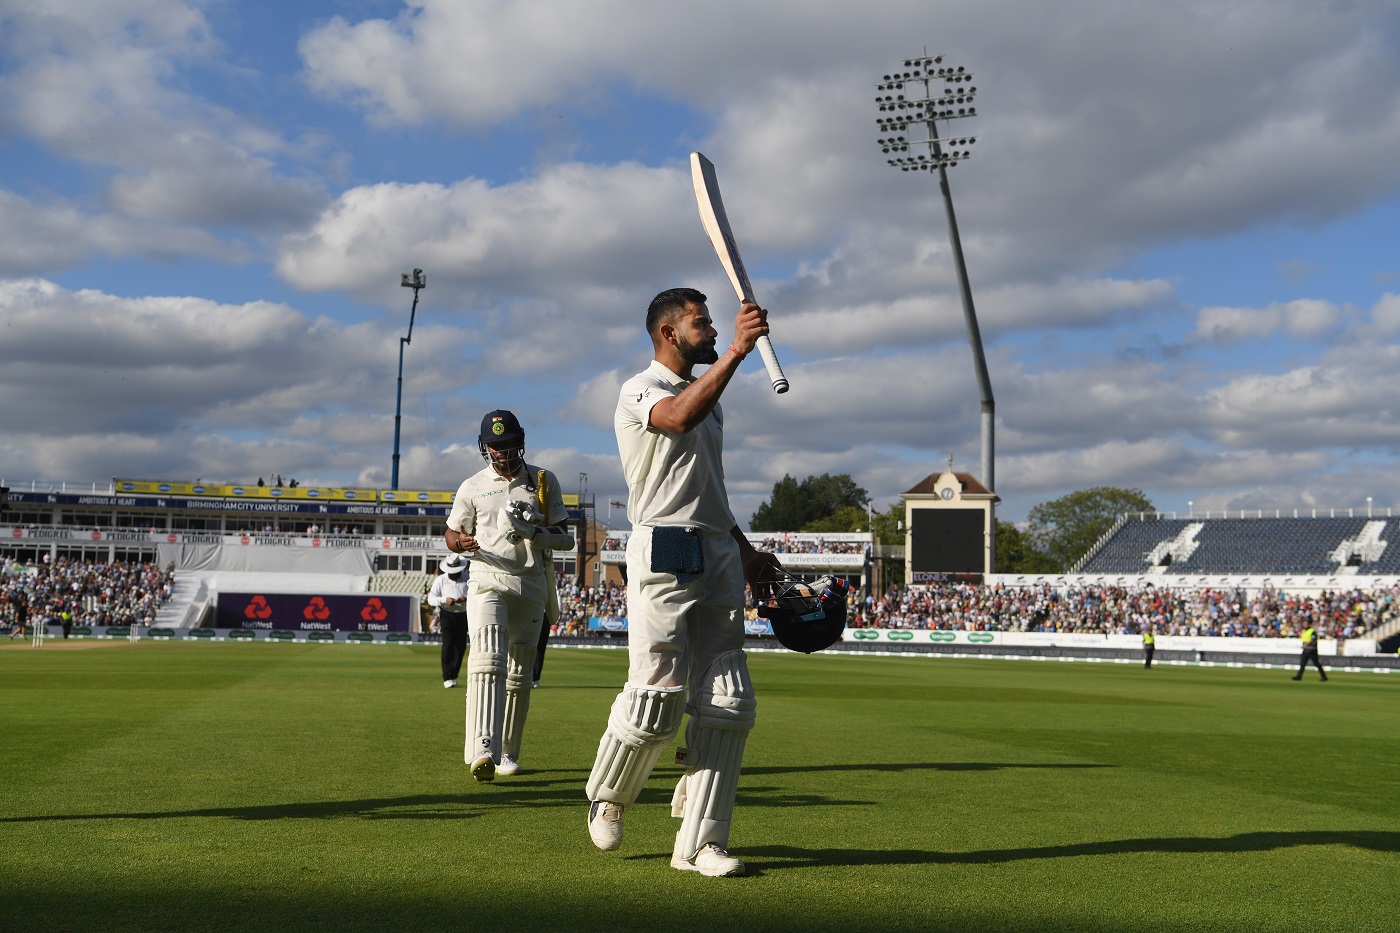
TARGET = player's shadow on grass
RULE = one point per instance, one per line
(476, 801)
(774, 858)
(771, 795)
(917, 766)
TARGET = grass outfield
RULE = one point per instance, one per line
(188, 786)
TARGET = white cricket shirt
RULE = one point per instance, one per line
(479, 509)
(672, 479)
(444, 586)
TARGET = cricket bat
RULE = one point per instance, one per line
(551, 613)
(716, 224)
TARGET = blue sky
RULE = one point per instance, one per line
(1179, 228)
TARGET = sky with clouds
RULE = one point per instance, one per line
(1179, 224)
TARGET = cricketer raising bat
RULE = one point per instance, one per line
(716, 224)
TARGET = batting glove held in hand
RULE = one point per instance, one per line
(523, 521)
(525, 512)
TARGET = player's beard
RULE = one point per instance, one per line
(696, 353)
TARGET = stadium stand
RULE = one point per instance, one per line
(115, 593)
(1230, 611)
(1217, 546)
(413, 583)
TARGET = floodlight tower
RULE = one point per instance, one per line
(912, 101)
(416, 281)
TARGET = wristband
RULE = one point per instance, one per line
(737, 352)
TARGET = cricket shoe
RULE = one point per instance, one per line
(449, 684)
(484, 769)
(605, 824)
(711, 861)
(508, 767)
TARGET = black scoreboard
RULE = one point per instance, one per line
(947, 541)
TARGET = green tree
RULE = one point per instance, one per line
(1066, 528)
(889, 525)
(846, 518)
(1015, 553)
(794, 505)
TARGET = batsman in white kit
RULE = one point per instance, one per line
(687, 563)
(506, 519)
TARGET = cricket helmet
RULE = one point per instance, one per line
(501, 430)
(806, 617)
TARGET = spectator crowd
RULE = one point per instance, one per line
(1120, 610)
(783, 544)
(93, 593)
(1108, 610)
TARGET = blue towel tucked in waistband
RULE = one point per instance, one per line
(678, 551)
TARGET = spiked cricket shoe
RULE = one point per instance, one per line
(484, 769)
(711, 861)
(605, 824)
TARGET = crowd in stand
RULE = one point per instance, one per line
(818, 546)
(1110, 610)
(1119, 610)
(780, 545)
(578, 603)
(91, 592)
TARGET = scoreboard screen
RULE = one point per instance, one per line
(947, 541)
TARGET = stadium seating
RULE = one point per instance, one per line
(1216, 546)
(413, 583)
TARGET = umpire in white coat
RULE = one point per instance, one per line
(448, 595)
(687, 563)
(497, 523)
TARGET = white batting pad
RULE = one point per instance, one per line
(486, 693)
(520, 666)
(722, 711)
(642, 722)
